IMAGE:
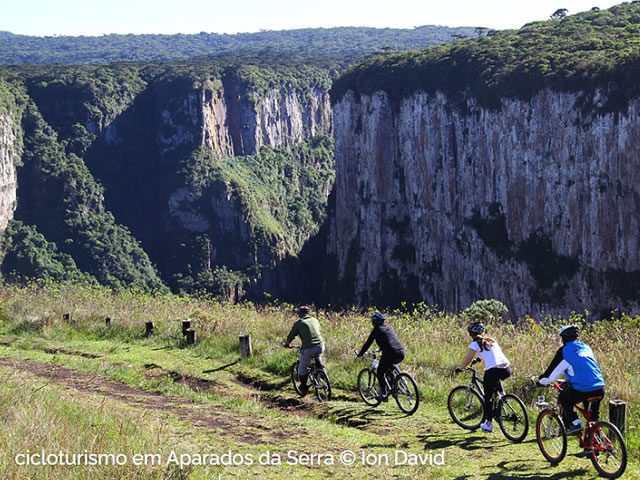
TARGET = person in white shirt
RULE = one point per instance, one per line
(496, 367)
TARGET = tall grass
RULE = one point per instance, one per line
(435, 340)
(36, 420)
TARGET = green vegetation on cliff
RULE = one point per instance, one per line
(28, 254)
(594, 49)
(280, 194)
(60, 196)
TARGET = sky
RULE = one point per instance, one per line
(95, 18)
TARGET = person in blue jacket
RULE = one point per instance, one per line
(584, 379)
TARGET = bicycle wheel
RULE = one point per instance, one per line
(368, 387)
(322, 386)
(295, 378)
(466, 407)
(551, 436)
(406, 393)
(608, 450)
(513, 418)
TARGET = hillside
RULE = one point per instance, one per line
(598, 48)
(343, 42)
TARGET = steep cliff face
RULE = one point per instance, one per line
(535, 203)
(10, 152)
(234, 121)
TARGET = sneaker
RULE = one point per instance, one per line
(487, 427)
(575, 429)
(304, 389)
(383, 398)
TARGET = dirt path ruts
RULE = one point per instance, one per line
(210, 417)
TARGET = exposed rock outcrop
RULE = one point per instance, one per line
(535, 203)
(10, 152)
(234, 121)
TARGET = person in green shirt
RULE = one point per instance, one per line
(308, 329)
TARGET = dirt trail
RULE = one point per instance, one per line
(224, 422)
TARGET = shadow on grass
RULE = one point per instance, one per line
(465, 440)
(359, 417)
(221, 368)
(510, 470)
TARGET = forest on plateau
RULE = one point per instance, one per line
(344, 42)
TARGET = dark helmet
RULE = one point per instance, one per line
(303, 310)
(476, 328)
(569, 333)
(378, 318)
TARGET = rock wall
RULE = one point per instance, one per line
(234, 122)
(10, 152)
(536, 203)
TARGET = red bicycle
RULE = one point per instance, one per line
(600, 440)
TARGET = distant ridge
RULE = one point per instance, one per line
(338, 41)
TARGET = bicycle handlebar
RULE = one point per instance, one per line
(557, 385)
(371, 353)
(468, 367)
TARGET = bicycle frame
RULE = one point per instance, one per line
(600, 440)
(476, 382)
(393, 372)
(583, 437)
(400, 385)
(318, 379)
(466, 404)
(313, 366)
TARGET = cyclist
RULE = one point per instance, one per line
(390, 346)
(584, 378)
(496, 367)
(308, 329)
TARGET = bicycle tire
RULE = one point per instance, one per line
(608, 449)
(322, 386)
(406, 393)
(295, 378)
(513, 418)
(551, 436)
(466, 407)
(368, 387)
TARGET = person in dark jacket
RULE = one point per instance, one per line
(390, 346)
(584, 379)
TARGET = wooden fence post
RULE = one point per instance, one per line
(149, 328)
(186, 325)
(618, 414)
(191, 336)
(245, 346)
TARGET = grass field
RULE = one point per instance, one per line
(98, 402)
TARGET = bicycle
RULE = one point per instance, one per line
(466, 407)
(318, 378)
(400, 385)
(601, 441)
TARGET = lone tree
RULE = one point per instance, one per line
(560, 13)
